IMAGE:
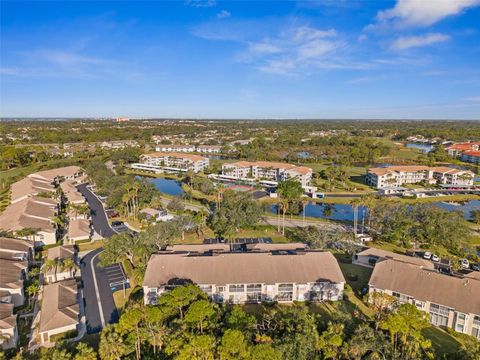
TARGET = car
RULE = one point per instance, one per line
(465, 264)
(435, 258)
(427, 255)
(475, 267)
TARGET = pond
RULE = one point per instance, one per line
(424, 147)
(328, 211)
(167, 186)
(345, 211)
(465, 207)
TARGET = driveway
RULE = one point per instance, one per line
(99, 218)
(100, 308)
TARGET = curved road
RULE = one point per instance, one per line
(99, 310)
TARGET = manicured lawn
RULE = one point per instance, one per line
(356, 276)
(119, 299)
(90, 245)
(444, 344)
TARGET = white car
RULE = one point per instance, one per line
(465, 264)
(427, 255)
(435, 258)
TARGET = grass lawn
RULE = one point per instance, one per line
(119, 299)
(90, 246)
(444, 344)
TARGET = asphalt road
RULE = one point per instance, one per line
(99, 310)
(95, 321)
(99, 218)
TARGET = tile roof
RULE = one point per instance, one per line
(10, 244)
(60, 252)
(79, 228)
(11, 271)
(52, 174)
(7, 319)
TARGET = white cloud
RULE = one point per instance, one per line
(475, 99)
(223, 14)
(420, 13)
(64, 58)
(264, 48)
(200, 3)
(407, 42)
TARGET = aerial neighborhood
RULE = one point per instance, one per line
(234, 230)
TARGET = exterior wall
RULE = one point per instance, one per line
(17, 295)
(440, 315)
(8, 338)
(267, 173)
(59, 276)
(45, 238)
(45, 336)
(236, 171)
(177, 162)
(256, 293)
(470, 158)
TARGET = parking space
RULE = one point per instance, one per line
(116, 277)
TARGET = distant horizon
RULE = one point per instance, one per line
(107, 118)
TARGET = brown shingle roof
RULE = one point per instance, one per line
(52, 174)
(10, 244)
(11, 273)
(78, 227)
(241, 268)
(28, 186)
(60, 252)
(385, 255)
(427, 285)
(59, 305)
(7, 319)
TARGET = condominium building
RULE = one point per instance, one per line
(16, 249)
(175, 161)
(119, 144)
(58, 271)
(13, 273)
(266, 170)
(175, 148)
(382, 177)
(8, 327)
(33, 213)
(456, 150)
(248, 277)
(59, 310)
(471, 156)
(450, 301)
(209, 149)
(71, 193)
(27, 187)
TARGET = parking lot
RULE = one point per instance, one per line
(116, 277)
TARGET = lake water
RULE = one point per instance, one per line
(424, 147)
(322, 210)
(167, 186)
(345, 211)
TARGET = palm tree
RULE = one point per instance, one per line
(32, 290)
(355, 205)
(289, 190)
(304, 205)
(69, 265)
(27, 232)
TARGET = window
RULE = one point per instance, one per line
(220, 289)
(460, 322)
(206, 289)
(285, 292)
(439, 315)
(254, 292)
(402, 299)
(236, 288)
(476, 327)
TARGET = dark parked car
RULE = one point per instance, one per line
(475, 267)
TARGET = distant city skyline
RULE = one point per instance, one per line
(402, 59)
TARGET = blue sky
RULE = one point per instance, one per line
(207, 58)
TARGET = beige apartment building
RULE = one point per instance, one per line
(175, 148)
(59, 272)
(59, 311)
(16, 249)
(175, 161)
(394, 176)
(451, 301)
(248, 277)
(267, 170)
(13, 273)
(8, 327)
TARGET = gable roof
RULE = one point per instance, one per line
(427, 285)
(9, 244)
(11, 273)
(60, 252)
(53, 174)
(28, 187)
(7, 319)
(385, 255)
(241, 268)
(59, 305)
